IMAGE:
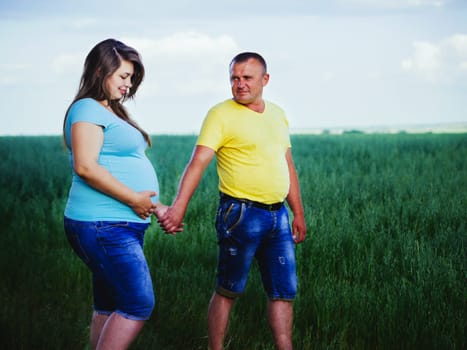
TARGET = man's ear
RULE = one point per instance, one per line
(265, 79)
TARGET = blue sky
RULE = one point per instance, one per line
(333, 63)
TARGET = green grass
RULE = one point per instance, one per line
(383, 266)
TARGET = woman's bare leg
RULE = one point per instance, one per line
(97, 323)
(118, 333)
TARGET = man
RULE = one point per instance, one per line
(250, 138)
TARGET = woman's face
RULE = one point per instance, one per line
(119, 83)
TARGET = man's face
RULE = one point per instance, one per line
(247, 80)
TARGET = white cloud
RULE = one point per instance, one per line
(328, 76)
(13, 73)
(438, 61)
(83, 23)
(395, 4)
(184, 45)
(425, 61)
(186, 63)
(67, 62)
(375, 75)
(458, 43)
(436, 3)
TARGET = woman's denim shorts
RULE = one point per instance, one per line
(245, 232)
(113, 251)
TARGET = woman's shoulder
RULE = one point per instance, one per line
(84, 103)
(88, 109)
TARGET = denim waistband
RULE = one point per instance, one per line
(270, 207)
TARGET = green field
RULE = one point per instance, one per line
(383, 267)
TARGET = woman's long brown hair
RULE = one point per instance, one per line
(101, 62)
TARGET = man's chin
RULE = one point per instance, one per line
(242, 101)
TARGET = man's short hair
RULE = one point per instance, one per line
(245, 56)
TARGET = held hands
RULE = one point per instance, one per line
(161, 213)
(172, 220)
(144, 207)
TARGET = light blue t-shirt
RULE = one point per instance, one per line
(122, 154)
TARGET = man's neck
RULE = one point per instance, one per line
(258, 107)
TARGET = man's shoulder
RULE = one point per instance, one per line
(229, 103)
(274, 107)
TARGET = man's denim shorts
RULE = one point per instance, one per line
(245, 231)
(113, 251)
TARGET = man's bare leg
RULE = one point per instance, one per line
(280, 320)
(218, 320)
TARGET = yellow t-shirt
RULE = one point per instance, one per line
(250, 149)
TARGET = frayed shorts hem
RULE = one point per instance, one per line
(227, 293)
(233, 295)
(291, 299)
(103, 312)
(123, 314)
